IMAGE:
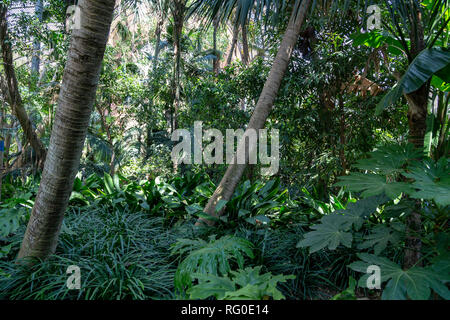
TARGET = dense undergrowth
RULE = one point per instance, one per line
(119, 233)
(137, 239)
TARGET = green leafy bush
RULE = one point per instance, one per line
(246, 284)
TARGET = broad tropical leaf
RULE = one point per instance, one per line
(389, 159)
(327, 234)
(211, 257)
(379, 238)
(415, 283)
(432, 181)
(373, 184)
(424, 66)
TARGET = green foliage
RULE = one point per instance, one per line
(349, 293)
(246, 284)
(431, 181)
(213, 257)
(415, 283)
(122, 255)
(380, 237)
(335, 228)
(429, 62)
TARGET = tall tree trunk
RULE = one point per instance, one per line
(264, 106)
(233, 44)
(158, 30)
(76, 99)
(417, 116)
(36, 59)
(216, 52)
(12, 85)
(179, 8)
(245, 55)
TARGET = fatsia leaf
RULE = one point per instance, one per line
(379, 238)
(373, 184)
(432, 181)
(356, 212)
(389, 159)
(333, 229)
(415, 283)
(326, 234)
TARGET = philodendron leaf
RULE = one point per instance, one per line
(415, 283)
(210, 285)
(373, 184)
(432, 181)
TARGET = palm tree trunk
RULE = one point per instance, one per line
(76, 99)
(13, 94)
(264, 106)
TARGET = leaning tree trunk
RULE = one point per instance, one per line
(264, 106)
(12, 86)
(76, 99)
(233, 43)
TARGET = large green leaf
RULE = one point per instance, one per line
(432, 181)
(243, 284)
(389, 159)
(334, 228)
(424, 66)
(415, 283)
(375, 39)
(373, 184)
(327, 234)
(211, 257)
(379, 238)
(427, 63)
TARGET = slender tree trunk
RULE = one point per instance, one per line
(158, 30)
(233, 44)
(76, 99)
(216, 52)
(36, 59)
(342, 140)
(263, 108)
(2, 152)
(12, 85)
(179, 8)
(245, 55)
(417, 116)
